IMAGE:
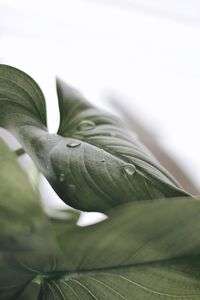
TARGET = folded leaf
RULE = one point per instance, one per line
(94, 162)
(145, 250)
(26, 246)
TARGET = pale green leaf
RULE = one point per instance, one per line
(94, 162)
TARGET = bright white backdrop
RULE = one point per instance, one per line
(146, 51)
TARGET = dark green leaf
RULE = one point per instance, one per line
(94, 162)
(20, 95)
(62, 215)
(26, 247)
(145, 250)
(31, 292)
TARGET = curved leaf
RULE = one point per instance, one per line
(94, 162)
(20, 94)
(26, 246)
(145, 250)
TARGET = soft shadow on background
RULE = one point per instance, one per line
(138, 59)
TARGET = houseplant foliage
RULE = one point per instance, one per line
(148, 248)
(93, 162)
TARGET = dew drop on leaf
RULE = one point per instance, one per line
(129, 169)
(72, 188)
(113, 134)
(73, 144)
(86, 125)
(61, 177)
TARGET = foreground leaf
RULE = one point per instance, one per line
(147, 250)
(31, 292)
(26, 247)
(94, 162)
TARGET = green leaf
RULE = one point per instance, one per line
(145, 250)
(94, 162)
(63, 214)
(26, 246)
(31, 292)
(20, 95)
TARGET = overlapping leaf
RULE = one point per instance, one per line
(31, 292)
(26, 247)
(145, 250)
(94, 162)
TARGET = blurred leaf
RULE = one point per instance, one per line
(62, 215)
(31, 292)
(151, 141)
(26, 247)
(94, 162)
(145, 250)
(34, 175)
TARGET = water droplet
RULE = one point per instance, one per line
(73, 144)
(113, 134)
(129, 169)
(72, 188)
(86, 125)
(62, 177)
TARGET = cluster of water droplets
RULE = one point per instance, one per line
(62, 177)
(86, 125)
(71, 187)
(83, 126)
